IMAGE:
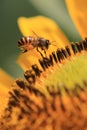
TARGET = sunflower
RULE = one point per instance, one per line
(52, 95)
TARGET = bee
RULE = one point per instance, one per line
(30, 42)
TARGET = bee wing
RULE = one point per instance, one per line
(43, 27)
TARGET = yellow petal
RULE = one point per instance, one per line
(27, 59)
(5, 79)
(78, 12)
(42, 27)
(5, 85)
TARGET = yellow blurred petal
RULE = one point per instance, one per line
(5, 85)
(25, 60)
(3, 99)
(5, 79)
(43, 27)
(78, 12)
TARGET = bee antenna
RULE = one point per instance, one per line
(35, 33)
(53, 44)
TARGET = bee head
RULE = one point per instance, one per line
(47, 44)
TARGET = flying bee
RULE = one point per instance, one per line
(30, 42)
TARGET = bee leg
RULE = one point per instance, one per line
(45, 52)
(39, 52)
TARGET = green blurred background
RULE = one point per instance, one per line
(10, 10)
